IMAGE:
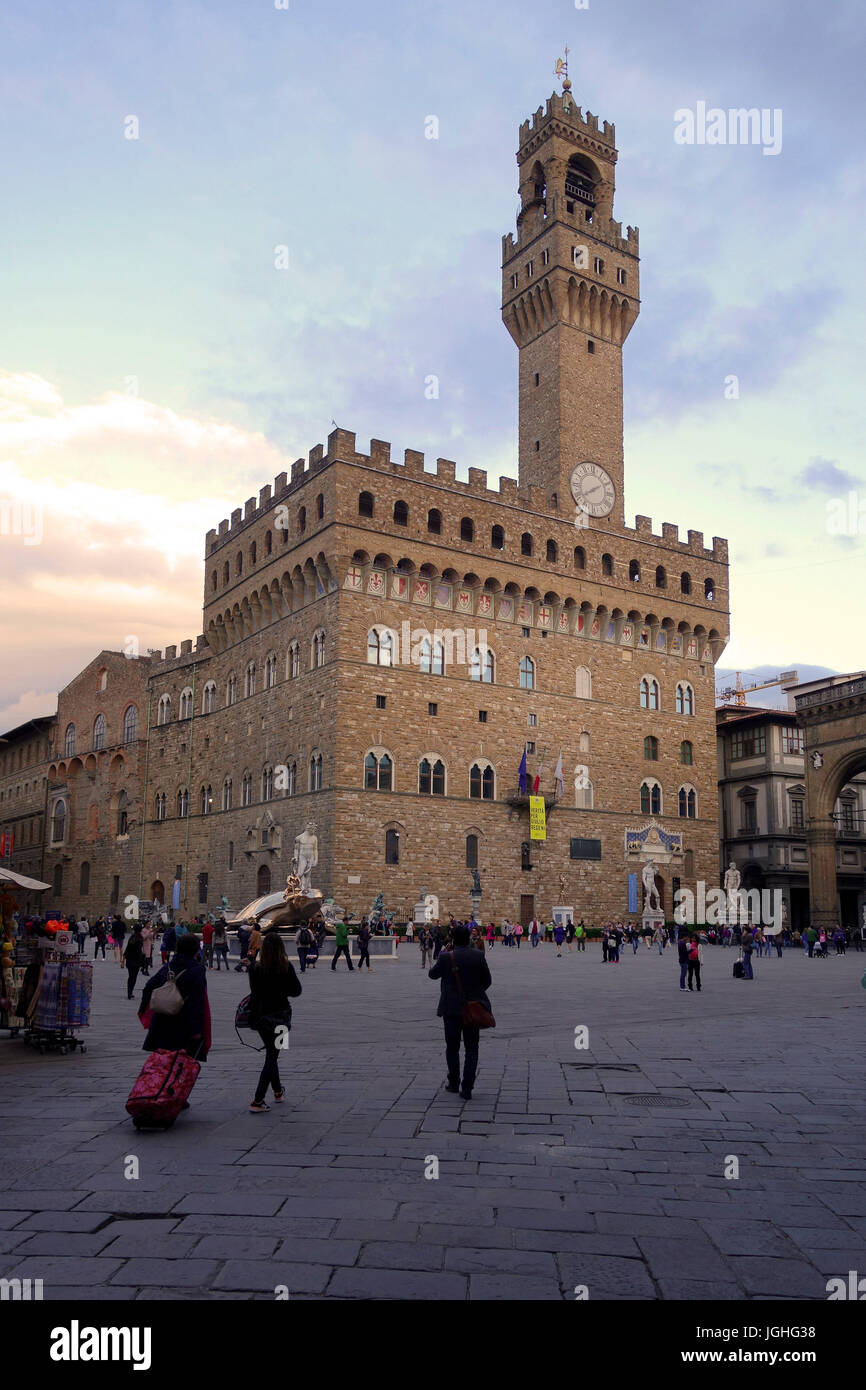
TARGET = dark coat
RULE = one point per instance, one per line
(270, 992)
(475, 978)
(176, 1031)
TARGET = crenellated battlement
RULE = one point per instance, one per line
(188, 655)
(607, 230)
(562, 106)
(341, 447)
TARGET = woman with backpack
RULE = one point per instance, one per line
(695, 961)
(220, 944)
(273, 982)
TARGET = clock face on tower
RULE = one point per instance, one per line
(592, 489)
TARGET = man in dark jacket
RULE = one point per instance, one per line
(474, 980)
(683, 956)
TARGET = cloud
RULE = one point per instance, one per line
(827, 476)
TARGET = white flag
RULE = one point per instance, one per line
(558, 783)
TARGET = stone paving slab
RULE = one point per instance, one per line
(547, 1179)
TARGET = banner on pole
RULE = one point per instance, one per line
(632, 892)
(537, 820)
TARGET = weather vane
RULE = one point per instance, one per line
(561, 71)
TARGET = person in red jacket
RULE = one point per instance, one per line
(207, 944)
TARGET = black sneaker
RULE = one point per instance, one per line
(452, 1089)
(467, 1095)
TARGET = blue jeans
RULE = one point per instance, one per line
(684, 968)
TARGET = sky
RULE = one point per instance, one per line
(157, 367)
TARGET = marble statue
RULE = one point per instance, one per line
(732, 890)
(306, 856)
(648, 876)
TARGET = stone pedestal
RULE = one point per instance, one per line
(652, 918)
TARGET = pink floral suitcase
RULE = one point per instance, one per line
(163, 1084)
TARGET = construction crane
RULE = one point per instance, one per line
(736, 694)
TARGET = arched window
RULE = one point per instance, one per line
(226, 573)
(579, 558)
(686, 753)
(263, 881)
(552, 552)
(270, 670)
(269, 543)
(434, 521)
(482, 782)
(130, 724)
(526, 543)
(227, 794)
(392, 847)
(607, 565)
(160, 805)
(661, 577)
(527, 673)
(401, 514)
(583, 683)
(208, 700)
(431, 777)
(69, 741)
(583, 793)
(318, 649)
(649, 693)
(365, 504)
(688, 803)
(472, 851)
(709, 590)
(292, 780)
(651, 798)
(467, 529)
(316, 772)
(122, 814)
(483, 666)
(685, 700)
(378, 772)
(206, 800)
(98, 732)
(686, 582)
(268, 783)
(651, 748)
(247, 789)
(380, 647)
(186, 703)
(183, 802)
(294, 660)
(103, 678)
(431, 657)
(320, 506)
(497, 538)
(253, 553)
(231, 689)
(302, 519)
(58, 822)
(250, 680)
(239, 563)
(57, 881)
(634, 571)
(583, 742)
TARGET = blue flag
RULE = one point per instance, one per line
(522, 774)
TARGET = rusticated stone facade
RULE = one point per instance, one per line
(313, 691)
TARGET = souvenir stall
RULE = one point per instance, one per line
(45, 986)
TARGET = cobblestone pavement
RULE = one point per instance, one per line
(551, 1177)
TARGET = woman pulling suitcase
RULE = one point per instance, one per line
(175, 1011)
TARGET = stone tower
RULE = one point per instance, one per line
(569, 299)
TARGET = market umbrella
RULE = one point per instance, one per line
(7, 876)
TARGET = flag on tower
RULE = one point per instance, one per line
(558, 781)
(537, 783)
(522, 773)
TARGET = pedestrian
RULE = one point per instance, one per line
(207, 945)
(660, 939)
(635, 939)
(839, 941)
(146, 947)
(491, 935)
(303, 942)
(533, 934)
(273, 982)
(695, 962)
(811, 938)
(464, 977)
(476, 939)
(747, 942)
(168, 943)
(613, 947)
(518, 933)
(82, 931)
(580, 935)
(425, 946)
(364, 946)
(189, 1029)
(683, 957)
(133, 959)
(100, 931)
(254, 945)
(605, 944)
(341, 946)
(559, 937)
(777, 942)
(569, 934)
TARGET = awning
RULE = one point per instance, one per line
(7, 876)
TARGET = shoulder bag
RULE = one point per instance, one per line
(474, 1013)
(167, 999)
